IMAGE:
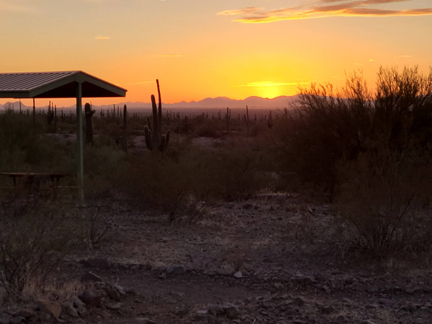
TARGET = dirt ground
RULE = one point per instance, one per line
(273, 258)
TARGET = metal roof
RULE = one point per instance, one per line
(55, 85)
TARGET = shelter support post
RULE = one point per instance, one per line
(80, 147)
(34, 112)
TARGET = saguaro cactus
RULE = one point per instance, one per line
(228, 117)
(124, 143)
(247, 119)
(270, 120)
(153, 133)
(50, 114)
(89, 123)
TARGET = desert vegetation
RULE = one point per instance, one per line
(369, 151)
(360, 158)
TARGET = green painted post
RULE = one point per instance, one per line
(80, 143)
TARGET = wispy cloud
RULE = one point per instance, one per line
(102, 37)
(245, 11)
(325, 8)
(261, 84)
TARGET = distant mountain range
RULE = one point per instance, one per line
(224, 102)
(218, 102)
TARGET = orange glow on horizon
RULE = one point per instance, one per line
(199, 52)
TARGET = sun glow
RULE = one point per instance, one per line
(270, 91)
(199, 53)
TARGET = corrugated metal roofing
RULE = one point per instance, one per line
(55, 85)
(29, 81)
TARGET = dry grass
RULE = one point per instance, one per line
(34, 240)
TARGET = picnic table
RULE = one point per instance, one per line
(34, 182)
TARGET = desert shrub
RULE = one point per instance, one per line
(34, 239)
(257, 129)
(190, 211)
(371, 153)
(179, 186)
(177, 148)
(328, 127)
(385, 197)
(96, 229)
(156, 181)
(207, 128)
(17, 138)
(104, 165)
(238, 171)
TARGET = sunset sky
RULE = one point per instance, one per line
(210, 48)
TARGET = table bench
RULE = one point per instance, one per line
(33, 182)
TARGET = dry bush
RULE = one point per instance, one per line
(190, 211)
(324, 128)
(206, 127)
(34, 239)
(95, 226)
(238, 171)
(156, 180)
(180, 183)
(385, 196)
(104, 165)
(329, 126)
(370, 152)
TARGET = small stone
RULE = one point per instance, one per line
(340, 319)
(238, 275)
(113, 293)
(231, 311)
(278, 285)
(77, 303)
(150, 322)
(49, 307)
(69, 309)
(90, 298)
(202, 312)
(182, 311)
(176, 270)
(114, 306)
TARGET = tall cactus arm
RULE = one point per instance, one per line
(148, 138)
